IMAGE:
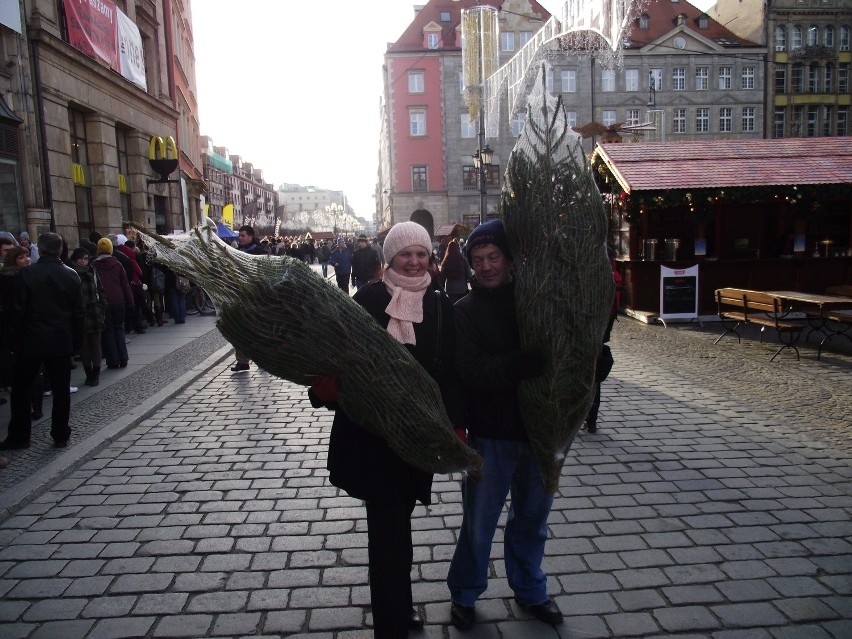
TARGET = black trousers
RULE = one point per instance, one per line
(58, 372)
(343, 282)
(390, 553)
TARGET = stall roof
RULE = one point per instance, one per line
(446, 230)
(655, 166)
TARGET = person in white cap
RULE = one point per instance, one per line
(363, 464)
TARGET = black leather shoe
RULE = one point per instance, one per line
(548, 612)
(8, 444)
(240, 367)
(60, 443)
(415, 621)
(462, 616)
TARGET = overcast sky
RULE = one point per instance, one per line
(294, 87)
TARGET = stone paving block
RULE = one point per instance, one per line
(12, 610)
(588, 604)
(109, 606)
(237, 624)
(335, 618)
(746, 590)
(641, 578)
(746, 615)
(183, 626)
(646, 558)
(686, 618)
(54, 609)
(77, 629)
(166, 547)
(139, 583)
(27, 552)
(631, 624)
(699, 594)
(797, 586)
(285, 622)
(747, 569)
(34, 569)
(38, 588)
(199, 582)
(589, 582)
(160, 604)
(127, 565)
(840, 629)
(805, 609)
(88, 586)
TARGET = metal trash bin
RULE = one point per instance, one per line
(649, 249)
(671, 247)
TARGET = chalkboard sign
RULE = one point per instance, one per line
(678, 293)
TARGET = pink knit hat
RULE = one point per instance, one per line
(403, 235)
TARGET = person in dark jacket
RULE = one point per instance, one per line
(48, 327)
(119, 298)
(324, 255)
(455, 272)
(247, 244)
(341, 262)
(363, 464)
(94, 315)
(491, 364)
(365, 263)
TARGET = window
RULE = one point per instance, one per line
(507, 41)
(828, 36)
(843, 78)
(548, 81)
(492, 176)
(608, 117)
(468, 128)
(828, 79)
(748, 119)
(797, 79)
(415, 82)
(813, 79)
(656, 79)
(826, 120)
(796, 38)
(607, 79)
(780, 39)
(781, 79)
(572, 118)
(418, 179)
(631, 79)
(702, 120)
(679, 120)
(813, 35)
(432, 40)
(469, 178)
(748, 78)
(842, 121)
(702, 22)
(526, 36)
(445, 16)
(633, 116)
(518, 121)
(702, 78)
(724, 78)
(123, 170)
(569, 81)
(844, 38)
(796, 122)
(643, 21)
(77, 128)
(726, 120)
(813, 119)
(417, 121)
(679, 79)
(778, 119)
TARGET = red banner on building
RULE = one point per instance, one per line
(93, 29)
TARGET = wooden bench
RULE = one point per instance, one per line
(761, 309)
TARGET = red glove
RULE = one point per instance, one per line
(461, 433)
(325, 389)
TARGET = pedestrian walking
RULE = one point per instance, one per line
(48, 327)
(365, 264)
(491, 365)
(247, 244)
(363, 464)
(341, 262)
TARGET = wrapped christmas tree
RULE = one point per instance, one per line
(295, 325)
(556, 227)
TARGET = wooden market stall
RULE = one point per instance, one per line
(756, 214)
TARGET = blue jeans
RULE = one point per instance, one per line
(510, 468)
(114, 346)
(177, 305)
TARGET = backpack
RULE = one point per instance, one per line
(182, 284)
(158, 280)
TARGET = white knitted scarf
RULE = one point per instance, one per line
(406, 305)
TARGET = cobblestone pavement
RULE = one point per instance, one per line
(713, 503)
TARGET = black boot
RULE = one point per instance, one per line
(96, 374)
(88, 370)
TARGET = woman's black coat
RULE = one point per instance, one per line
(363, 464)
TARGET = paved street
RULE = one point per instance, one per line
(713, 503)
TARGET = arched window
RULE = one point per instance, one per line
(813, 35)
(796, 37)
(844, 38)
(828, 36)
(780, 39)
(643, 21)
(680, 19)
(702, 22)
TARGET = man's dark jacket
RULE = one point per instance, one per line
(365, 264)
(48, 317)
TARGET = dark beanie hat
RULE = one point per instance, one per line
(491, 232)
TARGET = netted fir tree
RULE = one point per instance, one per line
(556, 227)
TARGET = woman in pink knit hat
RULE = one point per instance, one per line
(363, 464)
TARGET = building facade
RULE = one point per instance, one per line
(808, 62)
(88, 115)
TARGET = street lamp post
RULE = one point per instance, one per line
(481, 162)
(334, 209)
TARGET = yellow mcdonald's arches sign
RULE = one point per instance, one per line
(78, 175)
(162, 149)
(228, 216)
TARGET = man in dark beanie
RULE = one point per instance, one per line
(491, 364)
(46, 328)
